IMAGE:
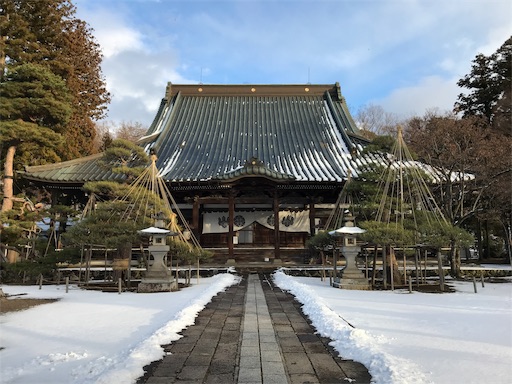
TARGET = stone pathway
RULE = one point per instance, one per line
(252, 333)
(260, 356)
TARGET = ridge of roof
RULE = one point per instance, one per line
(251, 89)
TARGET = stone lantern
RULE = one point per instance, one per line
(352, 277)
(158, 277)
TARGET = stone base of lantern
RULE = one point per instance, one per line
(157, 282)
(355, 280)
(352, 277)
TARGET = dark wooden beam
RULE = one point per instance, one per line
(276, 226)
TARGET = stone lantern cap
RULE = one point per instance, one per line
(347, 230)
(156, 231)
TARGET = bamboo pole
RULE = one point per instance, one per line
(416, 252)
(405, 265)
(198, 270)
(105, 266)
(426, 259)
(384, 268)
(81, 262)
(374, 266)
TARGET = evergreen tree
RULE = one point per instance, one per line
(490, 88)
(46, 32)
(34, 108)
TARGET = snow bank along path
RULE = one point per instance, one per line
(405, 338)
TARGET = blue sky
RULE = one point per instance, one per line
(404, 55)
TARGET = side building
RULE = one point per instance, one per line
(254, 169)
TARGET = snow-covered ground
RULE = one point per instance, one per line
(407, 338)
(94, 337)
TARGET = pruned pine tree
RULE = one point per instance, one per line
(125, 157)
(34, 109)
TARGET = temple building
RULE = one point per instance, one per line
(255, 169)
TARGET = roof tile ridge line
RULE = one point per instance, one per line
(153, 124)
(292, 157)
(216, 130)
(300, 115)
(171, 149)
(195, 107)
(268, 142)
(62, 164)
(288, 123)
(232, 133)
(359, 137)
(308, 116)
(354, 129)
(225, 116)
(191, 109)
(330, 104)
(163, 132)
(323, 153)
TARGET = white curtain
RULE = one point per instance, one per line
(289, 221)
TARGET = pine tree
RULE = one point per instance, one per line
(34, 109)
(489, 83)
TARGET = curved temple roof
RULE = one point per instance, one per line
(209, 132)
(77, 171)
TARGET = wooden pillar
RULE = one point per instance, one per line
(195, 219)
(277, 254)
(231, 232)
(312, 214)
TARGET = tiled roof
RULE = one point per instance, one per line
(300, 133)
(208, 132)
(76, 171)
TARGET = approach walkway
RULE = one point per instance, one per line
(252, 333)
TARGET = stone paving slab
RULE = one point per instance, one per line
(252, 334)
(308, 357)
(208, 351)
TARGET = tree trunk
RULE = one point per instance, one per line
(508, 241)
(440, 269)
(8, 179)
(479, 240)
(487, 240)
(394, 274)
(454, 261)
(322, 255)
(122, 261)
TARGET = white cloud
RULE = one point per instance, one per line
(112, 32)
(137, 80)
(405, 55)
(114, 41)
(430, 92)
